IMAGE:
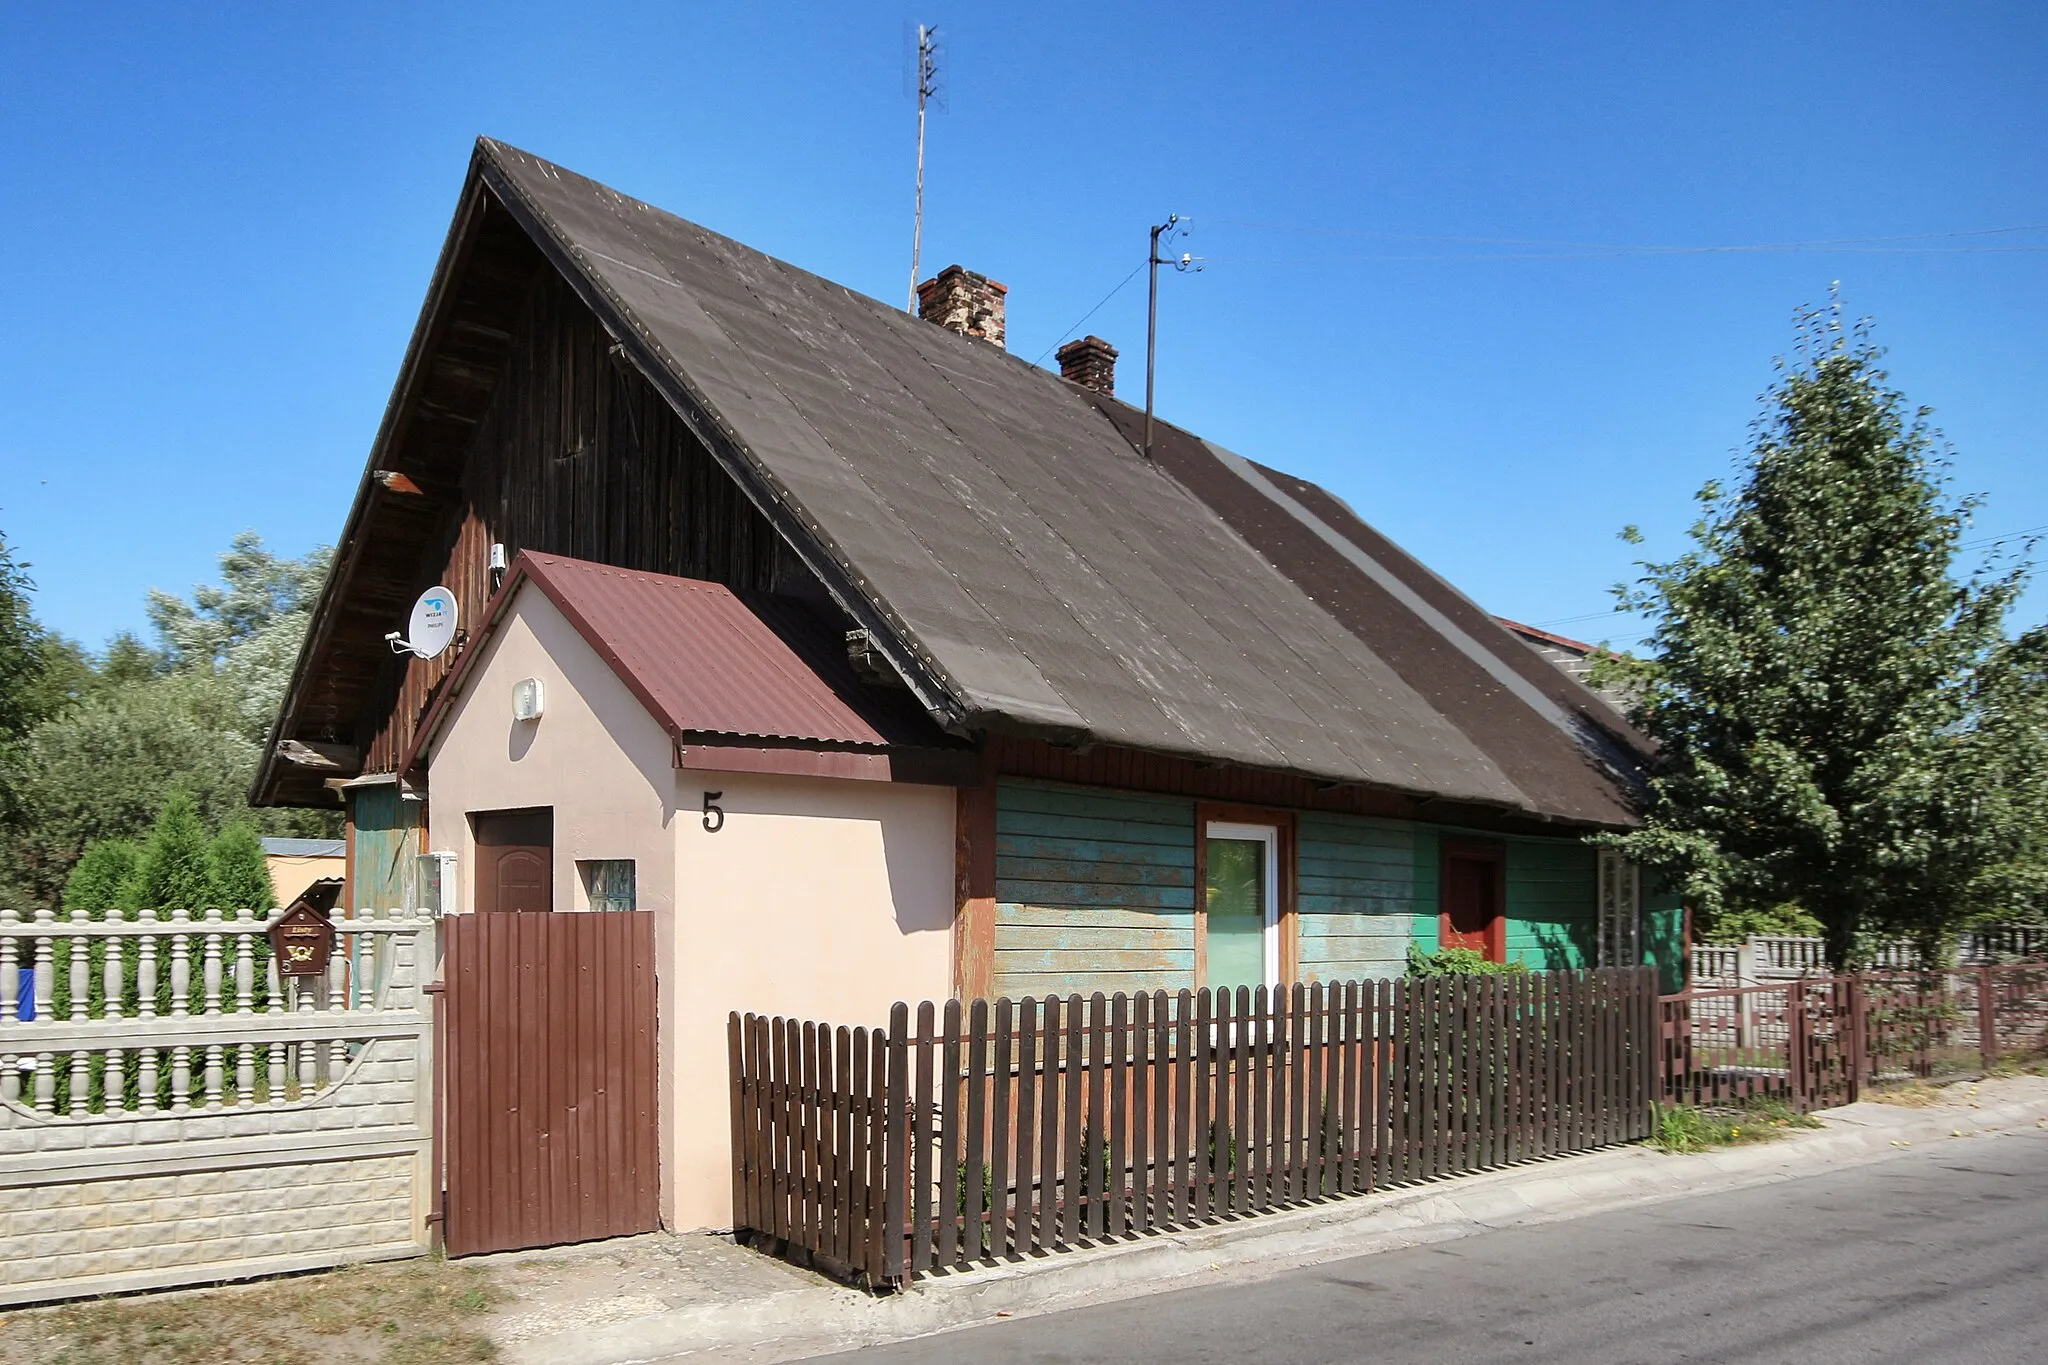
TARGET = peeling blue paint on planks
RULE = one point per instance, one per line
(1095, 890)
(1354, 894)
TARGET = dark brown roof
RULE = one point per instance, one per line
(1544, 637)
(1028, 571)
(710, 664)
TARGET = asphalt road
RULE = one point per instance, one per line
(1937, 1255)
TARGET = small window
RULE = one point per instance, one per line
(608, 883)
(1621, 911)
(1241, 904)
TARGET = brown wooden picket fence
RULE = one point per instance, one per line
(1822, 1040)
(960, 1134)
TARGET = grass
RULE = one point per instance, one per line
(1683, 1128)
(421, 1312)
(1913, 1094)
(2017, 1066)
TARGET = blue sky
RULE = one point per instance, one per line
(220, 226)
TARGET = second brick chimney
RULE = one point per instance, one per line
(1089, 362)
(965, 302)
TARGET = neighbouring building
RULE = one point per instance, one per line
(876, 664)
(295, 864)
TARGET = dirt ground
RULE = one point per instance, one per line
(423, 1312)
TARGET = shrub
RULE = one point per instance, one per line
(1458, 962)
(241, 878)
(106, 880)
(177, 871)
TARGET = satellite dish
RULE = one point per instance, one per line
(432, 628)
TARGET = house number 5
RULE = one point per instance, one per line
(714, 814)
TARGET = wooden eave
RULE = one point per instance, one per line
(457, 351)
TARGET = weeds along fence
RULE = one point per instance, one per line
(960, 1134)
(1820, 1040)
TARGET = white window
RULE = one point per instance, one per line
(1241, 905)
(1621, 911)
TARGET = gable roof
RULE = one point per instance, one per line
(707, 663)
(1027, 570)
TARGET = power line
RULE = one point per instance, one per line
(2009, 535)
(1622, 253)
(1082, 320)
(1619, 611)
(1623, 248)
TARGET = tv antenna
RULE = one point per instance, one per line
(1165, 234)
(927, 57)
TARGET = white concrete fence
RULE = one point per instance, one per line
(1768, 958)
(171, 1112)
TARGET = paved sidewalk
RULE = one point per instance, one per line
(671, 1298)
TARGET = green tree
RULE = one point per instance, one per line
(107, 880)
(256, 589)
(22, 653)
(187, 716)
(177, 869)
(1818, 681)
(241, 877)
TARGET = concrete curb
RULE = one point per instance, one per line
(819, 1319)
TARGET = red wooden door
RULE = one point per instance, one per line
(548, 1089)
(515, 861)
(1471, 895)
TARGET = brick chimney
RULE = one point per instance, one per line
(969, 304)
(1089, 362)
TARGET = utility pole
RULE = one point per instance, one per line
(927, 86)
(1168, 231)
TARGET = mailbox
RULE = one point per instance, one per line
(301, 940)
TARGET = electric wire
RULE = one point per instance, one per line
(1083, 319)
(1565, 250)
(1621, 611)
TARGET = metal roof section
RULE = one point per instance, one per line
(712, 664)
(275, 847)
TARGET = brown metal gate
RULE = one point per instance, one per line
(548, 1091)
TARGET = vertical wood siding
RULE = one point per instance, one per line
(1664, 934)
(577, 456)
(1428, 873)
(1553, 903)
(386, 829)
(1552, 898)
(1357, 897)
(1095, 891)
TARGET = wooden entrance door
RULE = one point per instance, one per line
(1473, 901)
(547, 1091)
(515, 860)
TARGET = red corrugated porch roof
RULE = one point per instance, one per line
(712, 666)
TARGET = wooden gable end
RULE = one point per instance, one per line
(577, 456)
(535, 434)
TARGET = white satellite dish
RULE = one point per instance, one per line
(432, 627)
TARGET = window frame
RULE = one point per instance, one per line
(1492, 851)
(1618, 911)
(1276, 827)
(586, 883)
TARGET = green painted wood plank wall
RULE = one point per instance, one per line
(1356, 896)
(1095, 890)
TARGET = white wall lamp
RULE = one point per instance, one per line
(528, 699)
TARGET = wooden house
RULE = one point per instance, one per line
(874, 663)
